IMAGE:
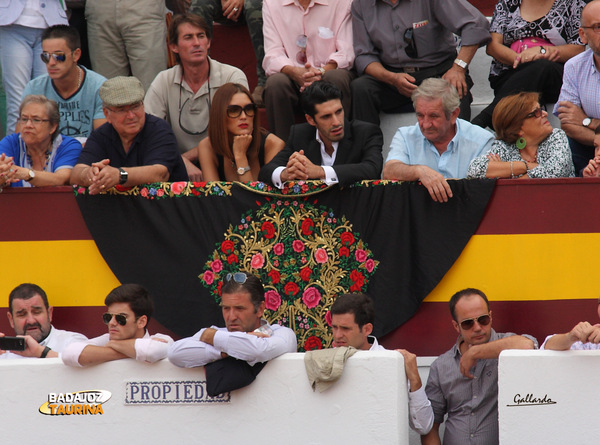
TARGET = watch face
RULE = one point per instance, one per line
(587, 121)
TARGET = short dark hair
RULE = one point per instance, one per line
(69, 33)
(252, 285)
(180, 19)
(136, 296)
(26, 291)
(318, 93)
(463, 293)
(361, 305)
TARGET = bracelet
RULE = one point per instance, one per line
(45, 352)
(526, 167)
(512, 174)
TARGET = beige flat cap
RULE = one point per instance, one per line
(121, 90)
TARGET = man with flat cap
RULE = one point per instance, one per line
(132, 147)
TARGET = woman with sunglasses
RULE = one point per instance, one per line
(236, 146)
(526, 146)
(39, 155)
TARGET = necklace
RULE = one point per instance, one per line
(47, 155)
(530, 160)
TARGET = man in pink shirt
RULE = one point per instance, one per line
(305, 41)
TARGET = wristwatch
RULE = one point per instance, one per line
(542, 50)
(123, 176)
(461, 63)
(31, 175)
(322, 71)
(242, 170)
(586, 122)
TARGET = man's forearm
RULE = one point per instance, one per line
(376, 70)
(433, 437)
(93, 355)
(146, 174)
(467, 53)
(580, 133)
(559, 342)
(80, 175)
(401, 171)
(493, 349)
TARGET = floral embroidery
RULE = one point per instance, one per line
(305, 256)
(158, 190)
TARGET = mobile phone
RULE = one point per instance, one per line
(12, 343)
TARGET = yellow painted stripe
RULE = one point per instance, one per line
(73, 273)
(526, 267)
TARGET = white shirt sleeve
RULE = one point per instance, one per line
(330, 175)
(70, 355)
(152, 349)
(420, 411)
(253, 349)
(276, 177)
(191, 352)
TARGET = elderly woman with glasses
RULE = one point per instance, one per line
(38, 155)
(236, 146)
(526, 146)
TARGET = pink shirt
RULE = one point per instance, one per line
(285, 20)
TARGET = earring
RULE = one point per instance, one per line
(521, 143)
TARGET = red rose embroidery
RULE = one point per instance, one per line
(268, 229)
(344, 251)
(227, 246)
(291, 288)
(307, 227)
(275, 276)
(233, 258)
(347, 238)
(305, 273)
(359, 280)
(313, 343)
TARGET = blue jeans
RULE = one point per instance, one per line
(20, 49)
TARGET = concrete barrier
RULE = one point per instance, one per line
(131, 402)
(549, 397)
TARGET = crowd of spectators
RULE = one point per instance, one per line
(376, 53)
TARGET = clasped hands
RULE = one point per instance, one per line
(300, 168)
(101, 176)
(9, 172)
(534, 53)
(585, 333)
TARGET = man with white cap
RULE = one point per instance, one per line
(132, 148)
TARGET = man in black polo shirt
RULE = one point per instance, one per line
(132, 148)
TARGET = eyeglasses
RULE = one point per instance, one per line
(58, 57)
(483, 320)
(536, 113)
(34, 120)
(121, 319)
(409, 39)
(124, 111)
(236, 110)
(595, 27)
(238, 277)
(301, 41)
(192, 111)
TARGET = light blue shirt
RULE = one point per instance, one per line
(581, 84)
(410, 147)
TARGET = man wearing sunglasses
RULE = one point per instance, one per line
(128, 311)
(246, 335)
(30, 315)
(327, 147)
(73, 87)
(399, 43)
(463, 382)
(352, 318)
(132, 148)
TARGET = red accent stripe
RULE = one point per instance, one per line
(41, 214)
(430, 333)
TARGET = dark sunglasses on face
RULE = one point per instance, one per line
(58, 57)
(236, 110)
(121, 319)
(535, 113)
(483, 320)
(238, 277)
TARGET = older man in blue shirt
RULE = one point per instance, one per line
(440, 146)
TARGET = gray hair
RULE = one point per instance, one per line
(51, 109)
(436, 88)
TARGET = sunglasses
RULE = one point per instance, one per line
(536, 113)
(411, 48)
(236, 110)
(121, 319)
(58, 57)
(238, 277)
(483, 320)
